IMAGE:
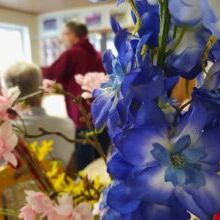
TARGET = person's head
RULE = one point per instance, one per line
(27, 77)
(73, 32)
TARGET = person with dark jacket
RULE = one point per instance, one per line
(79, 58)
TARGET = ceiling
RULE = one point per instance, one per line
(43, 6)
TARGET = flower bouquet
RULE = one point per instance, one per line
(166, 152)
(165, 156)
(58, 196)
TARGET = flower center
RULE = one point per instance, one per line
(177, 160)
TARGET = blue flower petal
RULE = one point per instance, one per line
(159, 212)
(107, 60)
(185, 11)
(182, 143)
(186, 58)
(136, 144)
(150, 24)
(161, 154)
(210, 142)
(211, 12)
(190, 204)
(125, 50)
(175, 176)
(207, 196)
(194, 176)
(194, 155)
(119, 199)
(149, 113)
(140, 45)
(118, 167)
(100, 109)
(150, 185)
(192, 123)
(110, 214)
(115, 25)
(151, 87)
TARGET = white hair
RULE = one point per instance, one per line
(26, 76)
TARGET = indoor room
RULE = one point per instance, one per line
(109, 109)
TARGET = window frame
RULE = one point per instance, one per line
(25, 37)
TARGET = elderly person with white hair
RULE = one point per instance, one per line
(28, 78)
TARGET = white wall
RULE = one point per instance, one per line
(105, 11)
(24, 19)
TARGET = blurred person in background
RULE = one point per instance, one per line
(80, 57)
(28, 78)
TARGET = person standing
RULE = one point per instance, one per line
(79, 58)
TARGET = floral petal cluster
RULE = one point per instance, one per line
(40, 205)
(8, 138)
(90, 82)
(165, 160)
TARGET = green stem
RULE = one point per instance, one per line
(177, 40)
(211, 42)
(164, 31)
(138, 22)
(40, 92)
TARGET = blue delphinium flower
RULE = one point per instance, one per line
(185, 60)
(106, 212)
(107, 96)
(211, 15)
(188, 12)
(162, 165)
(131, 74)
(150, 21)
(121, 198)
(165, 159)
(147, 79)
(185, 11)
(208, 95)
(131, 113)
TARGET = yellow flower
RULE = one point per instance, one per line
(54, 169)
(41, 150)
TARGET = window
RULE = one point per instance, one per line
(14, 44)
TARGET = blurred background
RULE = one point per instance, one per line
(31, 30)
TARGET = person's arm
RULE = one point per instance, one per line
(58, 68)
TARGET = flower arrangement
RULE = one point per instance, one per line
(166, 155)
(59, 197)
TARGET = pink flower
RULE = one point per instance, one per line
(39, 202)
(65, 210)
(27, 213)
(7, 99)
(83, 211)
(90, 82)
(50, 86)
(40, 205)
(65, 205)
(8, 141)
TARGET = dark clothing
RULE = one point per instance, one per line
(80, 59)
(85, 153)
